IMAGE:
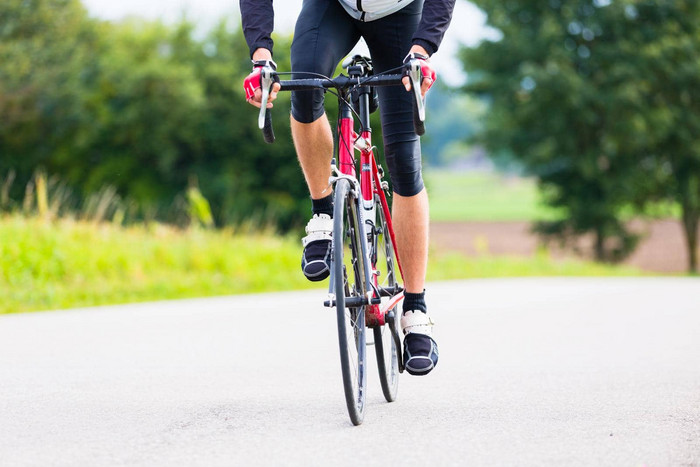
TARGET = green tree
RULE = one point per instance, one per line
(245, 177)
(176, 109)
(45, 51)
(663, 41)
(147, 107)
(142, 107)
(576, 89)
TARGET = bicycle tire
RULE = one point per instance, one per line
(347, 266)
(388, 355)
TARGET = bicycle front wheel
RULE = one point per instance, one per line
(348, 278)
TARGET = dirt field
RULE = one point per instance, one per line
(661, 250)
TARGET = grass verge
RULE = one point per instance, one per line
(66, 263)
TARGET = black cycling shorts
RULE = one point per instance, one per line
(324, 34)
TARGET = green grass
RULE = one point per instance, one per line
(65, 263)
(468, 196)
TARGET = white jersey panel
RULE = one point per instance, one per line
(369, 10)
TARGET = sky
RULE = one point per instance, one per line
(468, 22)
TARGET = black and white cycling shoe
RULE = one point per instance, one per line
(420, 352)
(316, 257)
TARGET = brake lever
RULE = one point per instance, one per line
(266, 82)
(415, 74)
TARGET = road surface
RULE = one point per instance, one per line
(532, 372)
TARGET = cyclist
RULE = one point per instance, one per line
(325, 32)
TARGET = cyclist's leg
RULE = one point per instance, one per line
(389, 40)
(324, 34)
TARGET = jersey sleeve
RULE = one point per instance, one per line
(258, 21)
(436, 17)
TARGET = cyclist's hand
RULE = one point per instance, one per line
(429, 75)
(252, 83)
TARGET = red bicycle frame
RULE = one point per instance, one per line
(370, 185)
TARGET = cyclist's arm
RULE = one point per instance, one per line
(437, 15)
(435, 19)
(258, 20)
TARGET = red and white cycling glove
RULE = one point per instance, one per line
(427, 71)
(253, 81)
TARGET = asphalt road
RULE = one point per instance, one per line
(532, 372)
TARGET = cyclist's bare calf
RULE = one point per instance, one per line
(410, 216)
(314, 145)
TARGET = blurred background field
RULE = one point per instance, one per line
(562, 139)
(468, 196)
(487, 213)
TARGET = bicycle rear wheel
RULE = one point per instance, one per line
(388, 354)
(349, 284)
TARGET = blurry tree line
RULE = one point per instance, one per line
(143, 108)
(600, 100)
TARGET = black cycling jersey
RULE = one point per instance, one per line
(258, 23)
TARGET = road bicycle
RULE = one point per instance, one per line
(366, 276)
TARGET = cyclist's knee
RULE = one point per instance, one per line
(403, 158)
(307, 106)
(407, 184)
